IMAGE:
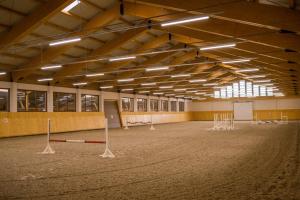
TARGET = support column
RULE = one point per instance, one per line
(101, 102)
(50, 99)
(148, 104)
(159, 104)
(78, 100)
(13, 106)
(177, 105)
(135, 104)
(169, 105)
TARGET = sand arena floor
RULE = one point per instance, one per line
(177, 161)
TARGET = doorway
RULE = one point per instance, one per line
(243, 111)
(111, 112)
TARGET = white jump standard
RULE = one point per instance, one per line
(223, 121)
(132, 120)
(107, 153)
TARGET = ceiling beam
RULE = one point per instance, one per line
(31, 22)
(51, 53)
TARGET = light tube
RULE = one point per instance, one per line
(126, 80)
(197, 80)
(256, 76)
(262, 81)
(71, 6)
(51, 67)
(121, 58)
(64, 41)
(218, 46)
(2, 73)
(182, 21)
(3, 90)
(106, 87)
(93, 75)
(147, 84)
(127, 89)
(45, 79)
(158, 93)
(78, 84)
(156, 69)
(141, 92)
(178, 90)
(247, 70)
(165, 87)
(210, 84)
(180, 75)
(235, 61)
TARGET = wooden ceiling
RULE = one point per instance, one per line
(269, 35)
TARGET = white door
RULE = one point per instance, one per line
(243, 111)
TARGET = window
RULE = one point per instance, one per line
(142, 105)
(127, 104)
(64, 102)
(173, 106)
(165, 105)
(154, 105)
(31, 101)
(4, 100)
(181, 106)
(89, 103)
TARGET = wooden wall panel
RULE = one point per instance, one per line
(31, 123)
(157, 117)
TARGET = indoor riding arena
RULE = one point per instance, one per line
(150, 99)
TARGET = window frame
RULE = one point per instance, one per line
(94, 95)
(131, 109)
(8, 100)
(65, 93)
(46, 98)
(145, 104)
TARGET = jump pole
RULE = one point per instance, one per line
(152, 127)
(107, 153)
(48, 149)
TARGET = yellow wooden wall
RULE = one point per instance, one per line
(293, 114)
(31, 123)
(157, 117)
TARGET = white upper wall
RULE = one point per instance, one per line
(268, 104)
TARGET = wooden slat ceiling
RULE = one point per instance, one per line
(268, 34)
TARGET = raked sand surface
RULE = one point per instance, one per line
(176, 161)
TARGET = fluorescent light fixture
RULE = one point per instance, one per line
(192, 91)
(262, 81)
(145, 91)
(235, 61)
(182, 21)
(147, 84)
(268, 84)
(158, 93)
(78, 84)
(210, 84)
(121, 58)
(169, 94)
(71, 6)
(247, 70)
(3, 90)
(178, 90)
(93, 75)
(197, 80)
(45, 79)
(180, 75)
(106, 87)
(218, 46)
(200, 93)
(65, 41)
(156, 69)
(126, 80)
(256, 76)
(51, 67)
(165, 87)
(180, 96)
(2, 73)
(127, 89)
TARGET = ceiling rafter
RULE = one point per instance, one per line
(49, 54)
(32, 21)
